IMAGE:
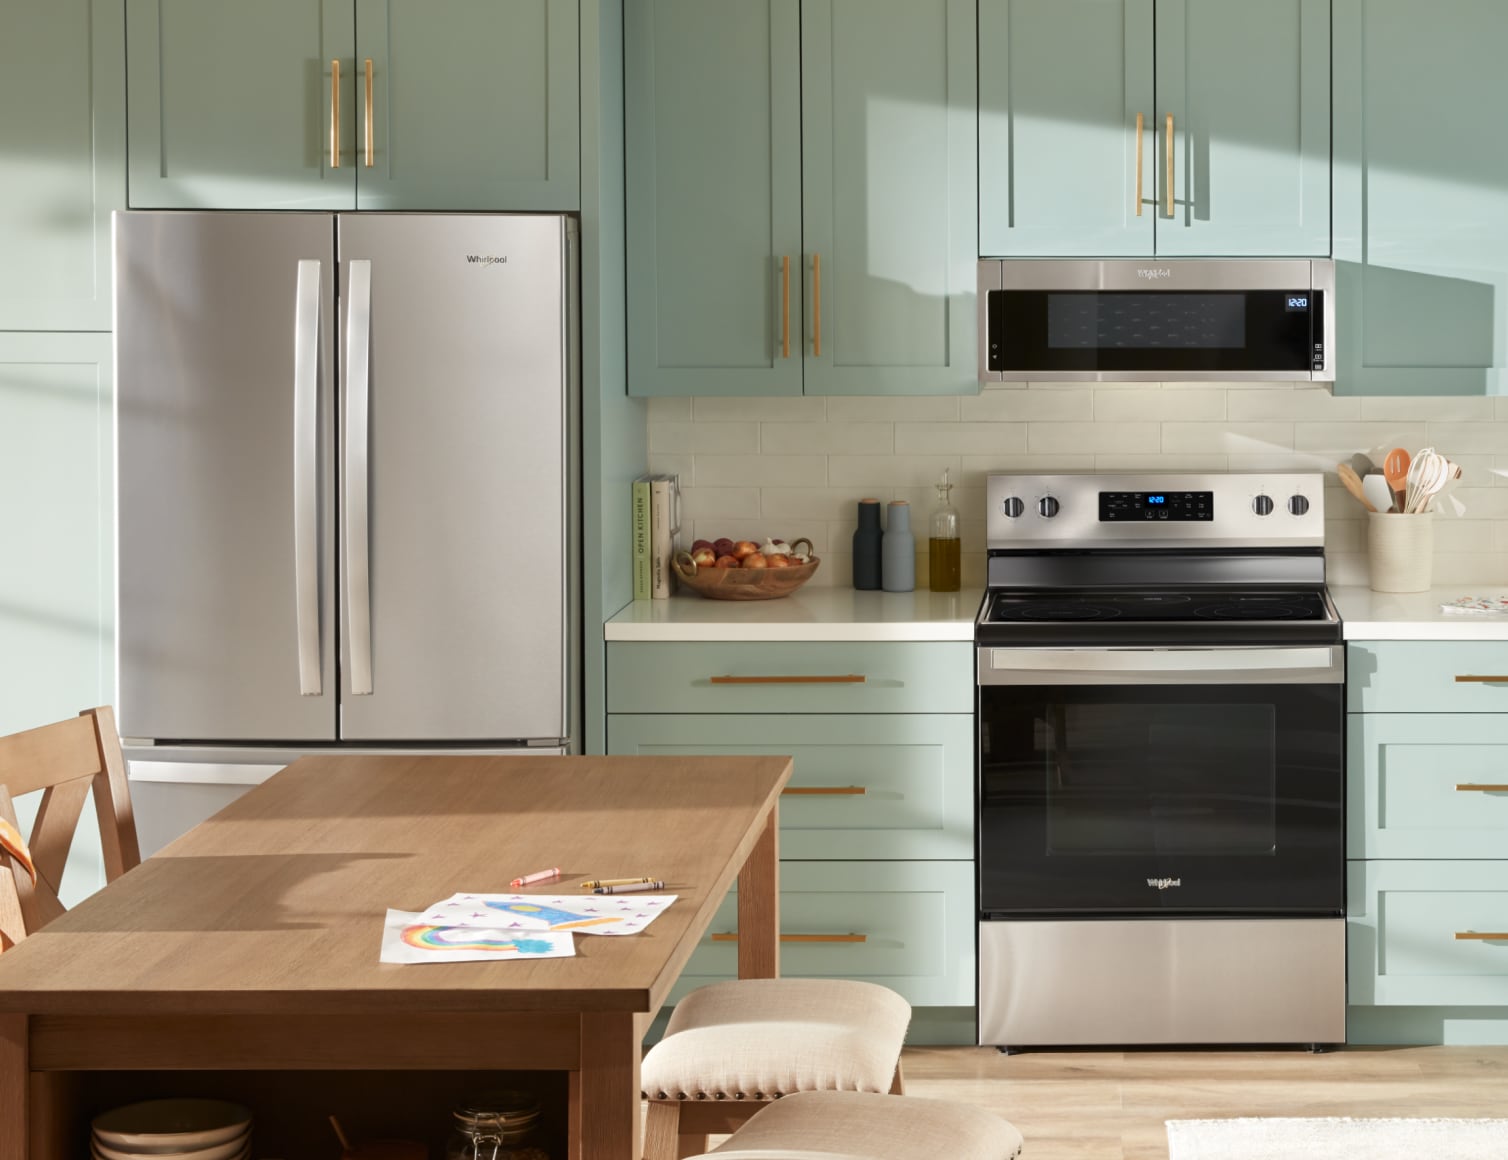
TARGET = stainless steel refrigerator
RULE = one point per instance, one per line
(345, 464)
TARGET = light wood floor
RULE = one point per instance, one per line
(1111, 1105)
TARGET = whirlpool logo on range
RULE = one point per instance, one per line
(487, 259)
(1164, 883)
(1153, 273)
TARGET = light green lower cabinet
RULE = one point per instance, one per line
(57, 578)
(894, 787)
(908, 926)
(1427, 676)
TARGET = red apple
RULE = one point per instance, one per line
(723, 547)
(778, 560)
(755, 560)
(703, 556)
(726, 562)
(745, 548)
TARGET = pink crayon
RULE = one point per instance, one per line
(541, 876)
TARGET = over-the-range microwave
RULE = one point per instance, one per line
(1200, 319)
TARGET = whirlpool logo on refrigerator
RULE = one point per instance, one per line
(487, 259)
(1164, 883)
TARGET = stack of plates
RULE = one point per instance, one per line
(173, 1130)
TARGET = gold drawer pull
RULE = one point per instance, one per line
(839, 789)
(849, 679)
(1468, 680)
(1481, 934)
(369, 113)
(1474, 787)
(732, 936)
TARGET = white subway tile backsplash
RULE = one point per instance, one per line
(798, 466)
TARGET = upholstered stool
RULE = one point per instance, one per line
(859, 1126)
(730, 1048)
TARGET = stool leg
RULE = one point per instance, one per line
(898, 1084)
(662, 1131)
(691, 1144)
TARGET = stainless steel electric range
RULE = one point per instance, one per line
(1161, 848)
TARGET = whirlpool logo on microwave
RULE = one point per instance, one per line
(1153, 273)
(1164, 883)
(487, 259)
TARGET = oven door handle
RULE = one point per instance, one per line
(1321, 665)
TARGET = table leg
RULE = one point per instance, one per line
(759, 906)
(14, 1096)
(605, 1092)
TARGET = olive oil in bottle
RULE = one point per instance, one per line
(944, 549)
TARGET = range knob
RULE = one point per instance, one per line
(1047, 507)
(1262, 505)
(1014, 507)
(1298, 504)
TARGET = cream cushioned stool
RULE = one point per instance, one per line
(857, 1126)
(729, 1048)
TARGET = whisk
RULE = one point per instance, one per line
(1428, 473)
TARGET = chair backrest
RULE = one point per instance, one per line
(65, 761)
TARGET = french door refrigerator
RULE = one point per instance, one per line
(345, 463)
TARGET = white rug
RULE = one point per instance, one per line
(1337, 1139)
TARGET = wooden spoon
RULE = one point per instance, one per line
(1352, 483)
(1396, 469)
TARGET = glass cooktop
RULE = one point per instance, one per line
(1144, 607)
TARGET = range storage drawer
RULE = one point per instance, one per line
(899, 786)
(1409, 676)
(908, 926)
(1427, 785)
(791, 677)
(1403, 923)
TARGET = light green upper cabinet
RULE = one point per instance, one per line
(472, 104)
(1421, 197)
(1061, 85)
(62, 160)
(1187, 128)
(801, 183)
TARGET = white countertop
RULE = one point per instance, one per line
(808, 614)
(1372, 615)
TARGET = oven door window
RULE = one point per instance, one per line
(1194, 799)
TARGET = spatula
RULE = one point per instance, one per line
(1395, 468)
(1352, 483)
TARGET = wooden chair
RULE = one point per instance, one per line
(65, 761)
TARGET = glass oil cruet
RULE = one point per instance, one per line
(944, 550)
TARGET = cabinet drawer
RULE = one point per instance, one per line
(1418, 785)
(909, 927)
(1407, 676)
(896, 786)
(1402, 923)
(791, 677)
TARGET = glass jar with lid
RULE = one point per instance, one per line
(944, 549)
(495, 1126)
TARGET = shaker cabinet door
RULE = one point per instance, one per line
(233, 105)
(62, 161)
(1421, 197)
(888, 196)
(713, 170)
(472, 105)
(1248, 89)
(1063, 170)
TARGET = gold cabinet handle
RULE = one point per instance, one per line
(1170, 164)
(335, 114)
(817, 305)
(369, 113)
(1475, 787)
(785, 306)
(1471, 680)
(833, 790)
(848, 679)
(732, 936)
(1139, 127)
(1482, 935)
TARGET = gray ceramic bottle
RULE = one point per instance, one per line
(866, 545)
(898, 549)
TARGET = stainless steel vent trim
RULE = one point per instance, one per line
(1316, 665)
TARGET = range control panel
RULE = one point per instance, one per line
(1156, 505)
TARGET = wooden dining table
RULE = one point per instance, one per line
(249, 947)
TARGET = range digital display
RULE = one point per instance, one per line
(1126, 507)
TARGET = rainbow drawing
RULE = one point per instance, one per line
(427, 937)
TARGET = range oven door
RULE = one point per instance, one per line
(1119, 782)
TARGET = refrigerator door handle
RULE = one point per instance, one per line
(358, 397)
(306, 475)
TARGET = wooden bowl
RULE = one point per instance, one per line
(744, 583)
